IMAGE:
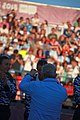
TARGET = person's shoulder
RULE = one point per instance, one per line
(9, 76)
(12, 56)
(36, 82)
(77, 80)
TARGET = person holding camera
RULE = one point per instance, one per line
(47, 94)
(36, 76)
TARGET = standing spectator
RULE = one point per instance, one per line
(35, 21)
(47, 95)
(13, 13)
(7, 88)
(45, 24)
(28, 60)
(76, 115)
(10, 21)
(21, 22)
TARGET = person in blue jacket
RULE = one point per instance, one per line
(36, 76)
(47, 95)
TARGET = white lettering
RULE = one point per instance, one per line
(4, 5)
(9, 6)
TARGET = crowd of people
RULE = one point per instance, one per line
(23, 42)
(28, 40)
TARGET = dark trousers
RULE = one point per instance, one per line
(26, 115)
(76, 115)
(4, 112)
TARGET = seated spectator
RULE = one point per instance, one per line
(70, 89)
(39, 53)
(4, 22)
(16, 62)
(75, 68)
(52, 34)
(28, 24)
(62, 40)
(4, 30)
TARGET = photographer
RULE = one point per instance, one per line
(47, 95)
(36, 75)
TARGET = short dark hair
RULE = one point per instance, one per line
(2, 57)
(49, 71)
(15, 51)
(74, 60)
(41, 62)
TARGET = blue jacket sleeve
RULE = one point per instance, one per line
(25, 84)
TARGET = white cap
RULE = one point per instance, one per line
(11, 71)
(72, 49)
(11, 15)
(10, 48)
(21, 32)
(15, 40)
(4, 17)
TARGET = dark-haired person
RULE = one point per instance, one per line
(47, 95)
(76, 115)
(16, 61)
(36, 75)
(7, 88)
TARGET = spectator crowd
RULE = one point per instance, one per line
(28, 40)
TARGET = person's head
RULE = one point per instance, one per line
(65, 63)
(12, 72)
(15, 52)
(40, 64)
(4, 26)
(74, 63)
(48, 71)
(4, 63)
(36, 15)
(6, 49)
